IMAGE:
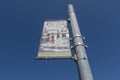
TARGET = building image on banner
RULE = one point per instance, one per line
(55, 40)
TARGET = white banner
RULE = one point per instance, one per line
(54, 40)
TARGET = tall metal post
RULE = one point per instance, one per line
(82, 60)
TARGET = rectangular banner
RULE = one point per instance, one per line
(54, 40)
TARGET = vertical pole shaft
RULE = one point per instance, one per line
(82, 60)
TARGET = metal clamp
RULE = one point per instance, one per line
(68, 20)
(77, 36)
(75, 58)
(73, 47)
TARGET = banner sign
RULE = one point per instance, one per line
(54, 40)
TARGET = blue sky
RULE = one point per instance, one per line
(20, 29)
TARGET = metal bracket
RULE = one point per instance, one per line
(75, 58)
(68, 20)
(73, 47)
(84, 46)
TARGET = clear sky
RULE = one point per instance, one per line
(21, 22)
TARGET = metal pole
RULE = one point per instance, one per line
(82, 60)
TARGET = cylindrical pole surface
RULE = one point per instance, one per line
(82, 60)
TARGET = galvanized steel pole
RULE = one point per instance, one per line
(82, 60)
